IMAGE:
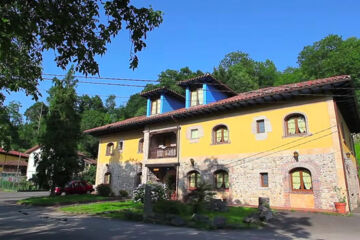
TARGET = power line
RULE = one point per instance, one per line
(279, 146)
(104, 83)
(286, 148)
(102, 78)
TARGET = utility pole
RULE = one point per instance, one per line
(41, 110)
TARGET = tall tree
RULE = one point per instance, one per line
(58, 161)
(73, 29)
(241, 73)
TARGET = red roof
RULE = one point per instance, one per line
(34, 148)
(14, 153)
(241, 97)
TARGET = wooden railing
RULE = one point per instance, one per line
(163, 152)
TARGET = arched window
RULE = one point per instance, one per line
(301, 180)
(109, 149)
(107, 178)
(220, 134)
(295, 124)
(194, 179)
(221, 180)
(141, 146)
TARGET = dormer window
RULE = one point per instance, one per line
(197, 97)
(155, 106)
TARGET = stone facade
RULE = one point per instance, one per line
(352, 182)
(123, 175)
(244, 178)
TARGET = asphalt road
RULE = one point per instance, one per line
(15, 196)
(20, 222)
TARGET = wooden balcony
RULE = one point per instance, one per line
(167, 152)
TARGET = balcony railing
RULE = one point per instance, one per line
(166, 152)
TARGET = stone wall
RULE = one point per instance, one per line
(123, 175)
(244, 177)
(352, 182)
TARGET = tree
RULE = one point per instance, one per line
(58, 161)
(34, 113)
(73, 29)
(241, 73)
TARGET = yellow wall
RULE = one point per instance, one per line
(130, 151)
(242, 139)
(8, 158)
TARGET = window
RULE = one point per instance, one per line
(301, 180)
(264, 179)
(260, 126)
(221, 134)
(155, 106)
(141, 146)
(194, 180)
(109, 149)
(194, 133)
(295, 124)
(121, 146)
(107, 178)
(221, 180)
(197, 97)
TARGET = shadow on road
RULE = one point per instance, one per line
(18, 222)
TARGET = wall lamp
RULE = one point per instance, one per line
(296, 156)
(192, 161)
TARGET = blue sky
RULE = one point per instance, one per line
(198, 34)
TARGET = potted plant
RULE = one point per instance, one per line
(340, 206)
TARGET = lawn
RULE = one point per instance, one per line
(357, 153)
(120, 210)
(60, 200)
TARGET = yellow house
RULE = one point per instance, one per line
(290, 143)
(12, 164)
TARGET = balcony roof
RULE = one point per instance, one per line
(210, 80)
(163, 90)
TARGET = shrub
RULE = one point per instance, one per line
(170, 207)
(123, 193)
(157, 192)
(199, 197)
(103, 190)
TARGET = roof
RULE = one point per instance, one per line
(14, 153)
(211, 81)
(34, 148)
(86, 159)
(341, 85)
(156, 92)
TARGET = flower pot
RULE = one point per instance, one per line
(340, 207)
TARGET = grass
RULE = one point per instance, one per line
(101, 207)
(61, 200)
(119, 210)
(357, 154)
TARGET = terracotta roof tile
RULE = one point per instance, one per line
(238, 98)
(14, 153)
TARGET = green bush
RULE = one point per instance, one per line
(199, 197)
(170, 207)
(123, 193)
(103, 190)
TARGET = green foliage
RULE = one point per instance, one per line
(89, 175)
(73, 29)
(170, 207)
(103, 190)
(123, 193)
(332, 56)
(56, 200)
(58, 161)
(241, 73)
(198, 197)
